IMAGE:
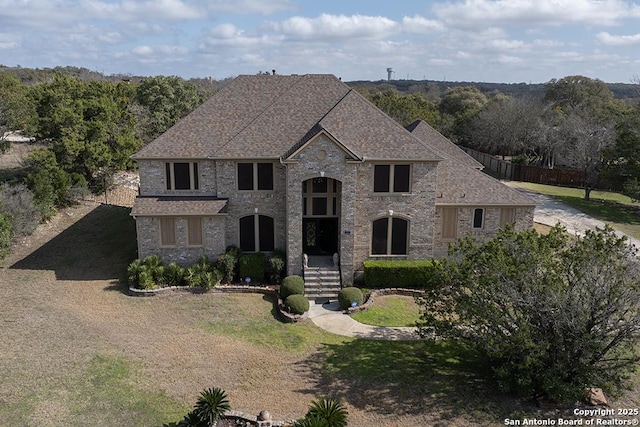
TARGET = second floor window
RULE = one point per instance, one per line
(255, 176)
(392, 178)
(181, 175)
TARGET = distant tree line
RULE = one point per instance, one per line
(574, 121)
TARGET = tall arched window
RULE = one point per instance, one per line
(390, 236)
(257, 233)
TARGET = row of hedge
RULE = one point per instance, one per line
(419, 274)
(230, 266)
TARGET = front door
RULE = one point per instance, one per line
(320, 236)
(320, 216)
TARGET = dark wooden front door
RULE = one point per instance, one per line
(320, 236)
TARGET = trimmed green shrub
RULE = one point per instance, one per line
(348, 295)
(297, 304)
(425, 274)
(227, 263)
(276, 266)
(291, 285)
(251, 265)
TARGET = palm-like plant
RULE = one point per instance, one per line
(211, 406)
(330, 410)
(311, 422)
(191, 420)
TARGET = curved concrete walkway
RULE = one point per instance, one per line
(330, 318)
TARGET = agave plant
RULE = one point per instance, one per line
(211, 406)
(330, 410)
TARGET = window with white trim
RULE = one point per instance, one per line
(391, 178)
(181, 175)
(389, 236)
(255, 176)
(478, 218)
(257, 233)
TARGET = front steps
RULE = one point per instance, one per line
(322, 282)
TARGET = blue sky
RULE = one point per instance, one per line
(508, 41)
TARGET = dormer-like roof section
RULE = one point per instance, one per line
(441, 144)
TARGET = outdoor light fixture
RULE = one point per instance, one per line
(322, 174)
(390, 212)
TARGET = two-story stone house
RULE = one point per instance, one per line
(305, 164)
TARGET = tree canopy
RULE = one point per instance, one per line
(553, 313)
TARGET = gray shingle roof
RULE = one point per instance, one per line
(178, 206)
(265, 116)
(440, 143)
(459, 181)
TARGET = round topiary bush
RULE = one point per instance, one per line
(291, 285)
(348, 295)
(297, 304)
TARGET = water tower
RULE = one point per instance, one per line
(389, 73)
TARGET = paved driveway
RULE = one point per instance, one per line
(550, 212)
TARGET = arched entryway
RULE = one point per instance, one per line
(321, 207)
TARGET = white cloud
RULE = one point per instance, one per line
(142, 50)
(336, 26)
(611, 40)
(250, 6)
(230, 36)
(419, 24)
(474, 13)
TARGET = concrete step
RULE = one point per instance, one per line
(322, 282)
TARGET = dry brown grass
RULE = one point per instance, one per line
(75, 350)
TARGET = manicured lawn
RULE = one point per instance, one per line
(390, 310)
(615, 209)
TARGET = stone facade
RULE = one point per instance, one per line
(213, 239)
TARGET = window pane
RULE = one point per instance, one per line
(245, 176)
(265, 176)
(319, 185)
(266, 233)
(335, 207)
(247, 234)
(401, 178)
(181, 177)
(381, 178)
(379, 237)
(477, 217)
(167, 174)
(319, 206)
(399, 230)
(167, 231)
(194, 229)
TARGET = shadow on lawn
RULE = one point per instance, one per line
(407, 378)
(99, 246)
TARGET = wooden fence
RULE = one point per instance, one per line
(506, 170)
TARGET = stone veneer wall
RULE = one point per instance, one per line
(148, 231)
(320, 155)
(418, 207)
(524, 220)
(153, 182)
(242, 203)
